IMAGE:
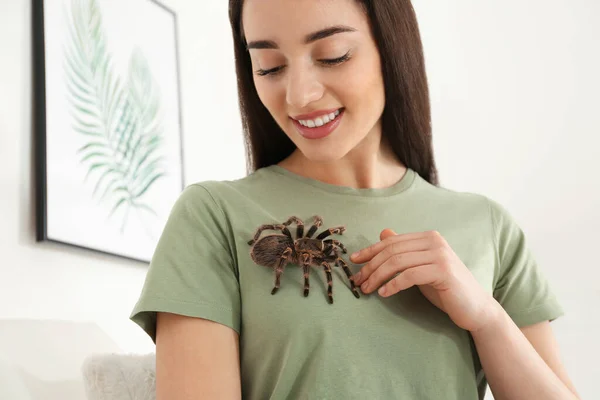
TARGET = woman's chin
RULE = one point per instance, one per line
(322, 154)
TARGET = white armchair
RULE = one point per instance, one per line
(120, 377)
(67, 360)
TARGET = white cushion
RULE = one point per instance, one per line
(120, 377)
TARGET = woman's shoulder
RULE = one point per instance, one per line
(451, 197)
(470, 204)
(215, 191)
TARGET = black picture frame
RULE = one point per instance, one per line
(43, 158)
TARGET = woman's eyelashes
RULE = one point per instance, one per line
(328, 62)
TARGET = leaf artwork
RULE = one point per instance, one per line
(121, 122)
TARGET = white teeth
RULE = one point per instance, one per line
(325, 119)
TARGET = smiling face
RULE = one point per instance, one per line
(317, 70)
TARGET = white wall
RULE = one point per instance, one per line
(515, 95)
(514, 89)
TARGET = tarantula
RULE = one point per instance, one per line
(276, 251)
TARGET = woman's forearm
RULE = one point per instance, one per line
(513, 368)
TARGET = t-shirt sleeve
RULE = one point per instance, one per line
(520, 285)
(192, 271)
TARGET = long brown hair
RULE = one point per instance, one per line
(406, 118)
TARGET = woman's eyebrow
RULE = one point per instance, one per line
(312, 37)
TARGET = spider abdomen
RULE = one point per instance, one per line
(269, 249)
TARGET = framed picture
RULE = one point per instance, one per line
(108, 132)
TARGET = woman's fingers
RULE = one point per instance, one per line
(394, 249)
(368, 253)
(398, 262)
(421, 275)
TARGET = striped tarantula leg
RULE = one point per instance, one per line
(340, 262)
(262, 228)
(328, 251)
(336, 243)
(306, 268)
(279, 269)
(318, 221)
(338, 230)
(293, 219)
(299, 225)
(327, 268)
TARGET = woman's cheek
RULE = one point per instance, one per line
(273, 98)
(266, 93)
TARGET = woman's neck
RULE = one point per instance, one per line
(358, 169)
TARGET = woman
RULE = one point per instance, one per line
(335, 108)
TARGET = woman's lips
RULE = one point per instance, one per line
(319, 132)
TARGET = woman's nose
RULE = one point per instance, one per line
(303, 88)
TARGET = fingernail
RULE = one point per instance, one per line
(382, 291)
(365, 286)
(357, 278)
(355, 254)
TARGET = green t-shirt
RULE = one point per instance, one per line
(296, 347)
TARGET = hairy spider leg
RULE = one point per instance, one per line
(336, 243)
(331, 231)
(318, 221)
(306, 269)
(262, 228)
(341, 263)
(299, 227)
(328, 252)
(327, 268)
(279, 269)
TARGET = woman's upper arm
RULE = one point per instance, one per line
(196, 358)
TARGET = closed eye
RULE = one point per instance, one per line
(329, 62)
(336, 61)
(272, 71)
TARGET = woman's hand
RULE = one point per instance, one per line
(426, 260)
